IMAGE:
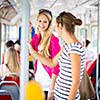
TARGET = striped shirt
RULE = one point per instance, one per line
(64, 79)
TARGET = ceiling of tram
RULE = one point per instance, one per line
(59, 5)
(7, 10)
(11, 9)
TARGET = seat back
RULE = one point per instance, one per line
(11, 77)
(5, 95)
(11, 87)
(92, 70)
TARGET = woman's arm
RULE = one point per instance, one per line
(52, 84)
(44, 60)
(76, 66)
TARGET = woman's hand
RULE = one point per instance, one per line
(31, 49)
(51, 95)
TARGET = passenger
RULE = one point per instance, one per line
(11, 64)
(17, 47)
(33, 91)
(8, 44)
(46, 44)
(89, 53)
(71, 59)
(31, 29)
(31, 67)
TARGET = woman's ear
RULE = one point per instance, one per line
(60, 26)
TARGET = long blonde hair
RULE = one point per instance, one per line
(11, 59)
(45, 40)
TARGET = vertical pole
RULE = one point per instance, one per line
(97, 66)
(24, 48)
(0, 42)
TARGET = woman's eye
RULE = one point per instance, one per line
(42, 21)
(39, 21)
(45, 21)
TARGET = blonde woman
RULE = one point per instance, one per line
(11, 64)
(46, 44)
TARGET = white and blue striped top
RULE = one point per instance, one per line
(64, 79)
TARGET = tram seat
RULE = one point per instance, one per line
(12, 77)
(10, 90)
(92, 70)
(5, 95)
(88, 65)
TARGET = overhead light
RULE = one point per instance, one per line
(15, 1)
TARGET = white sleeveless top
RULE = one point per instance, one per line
(42, 77)
(4, 70)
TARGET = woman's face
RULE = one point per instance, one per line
(43, 22)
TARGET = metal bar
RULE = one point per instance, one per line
(97, 65)
(0, 41)
(24, 47)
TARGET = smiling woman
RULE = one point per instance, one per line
(48, 45)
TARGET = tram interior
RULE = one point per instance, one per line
(10, 15)
(87, 10)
